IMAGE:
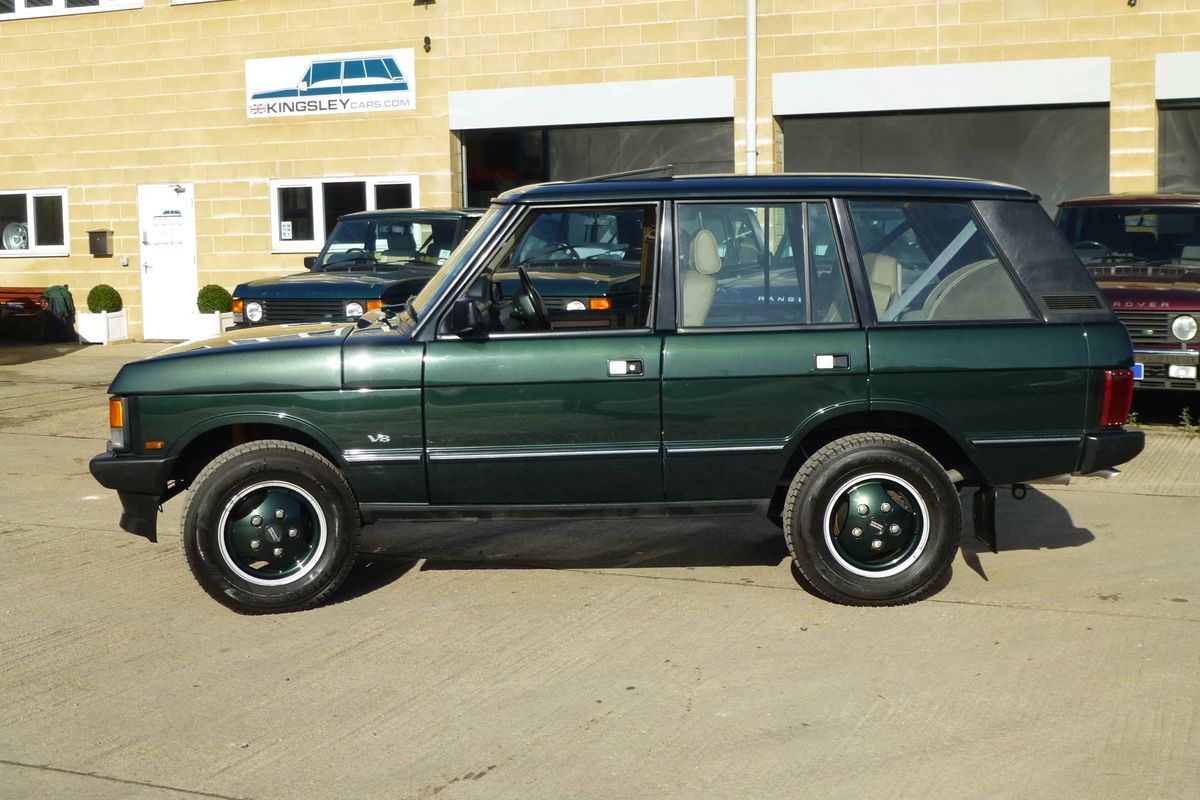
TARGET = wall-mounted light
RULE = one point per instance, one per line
(428, 44)
(424, 2)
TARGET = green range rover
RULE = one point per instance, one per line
(843, 353)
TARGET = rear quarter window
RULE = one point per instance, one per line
(932, 261)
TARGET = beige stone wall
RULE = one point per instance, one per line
(101, 103)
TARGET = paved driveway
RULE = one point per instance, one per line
(587, 659)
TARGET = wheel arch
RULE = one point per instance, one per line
(206, 440)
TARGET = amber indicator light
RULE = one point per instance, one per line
(374, 305)
(116, 413)
(154, 445)
(600, 304)
(239, 305)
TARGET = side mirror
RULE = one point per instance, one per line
(464, 318)
(310, 262)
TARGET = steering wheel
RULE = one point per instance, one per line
(558, 247)
(527, 303)
(608, 249)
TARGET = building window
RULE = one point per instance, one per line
(33, 223)
(22, 9)
(304, 211)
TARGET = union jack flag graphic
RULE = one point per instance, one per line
(258, 108)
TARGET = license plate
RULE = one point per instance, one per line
(1138, 371)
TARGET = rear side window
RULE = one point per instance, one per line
(932, 262)
(751, 265)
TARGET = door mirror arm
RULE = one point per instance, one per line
(465, 320)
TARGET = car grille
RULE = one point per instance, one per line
(557, 303)
(1155, 376)
(1149, 328)
(279, 311)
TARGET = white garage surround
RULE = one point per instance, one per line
(993, 84)
(1177, 76)
(593, 103)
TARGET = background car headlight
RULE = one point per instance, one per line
(576, 305)
(253, 311)
(1184, 327)
(354, 309)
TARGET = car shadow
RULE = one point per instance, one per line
(13, 353)
(582, 544)
(1037, 522)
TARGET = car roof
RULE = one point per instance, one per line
(1151, 199)
(427, 213)
(764, 186)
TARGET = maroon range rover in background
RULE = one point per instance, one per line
(1144, 253)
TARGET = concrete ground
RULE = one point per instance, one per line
(675, 659)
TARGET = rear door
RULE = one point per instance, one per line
(766, 345)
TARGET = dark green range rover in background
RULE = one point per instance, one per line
(843, 353)
(371, 259)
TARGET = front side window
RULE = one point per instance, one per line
(304, 212)
(567, 269)
(33, 223)
(750, 265)
(17, 9)
(932, 262)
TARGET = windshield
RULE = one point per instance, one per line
(383, 244)
(441, 280)
(1107, 235)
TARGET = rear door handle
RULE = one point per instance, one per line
(831, 361)
(618, 368)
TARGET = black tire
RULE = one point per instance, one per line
(897, 551)
(270, 526)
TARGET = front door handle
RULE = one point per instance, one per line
(621, 367)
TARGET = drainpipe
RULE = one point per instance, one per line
(751, 87)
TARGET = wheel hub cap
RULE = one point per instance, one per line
(272, 533)
(876, 525)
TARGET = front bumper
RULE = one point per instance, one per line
(1105, 449)
(1156, 366)
(140, 482)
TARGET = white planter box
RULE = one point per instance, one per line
(206, 326)
(103, 328)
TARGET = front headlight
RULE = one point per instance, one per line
(576, 305)
(354, 309)
(1184, 327)
(254, 311)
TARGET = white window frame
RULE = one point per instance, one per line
(58, 8)
(315, 184)
(34, 250)
(189, 2)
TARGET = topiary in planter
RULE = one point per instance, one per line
(213, 298)
(102, 298)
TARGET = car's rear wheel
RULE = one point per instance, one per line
(270, 526)
(872, 519)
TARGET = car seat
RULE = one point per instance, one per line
(699, 283)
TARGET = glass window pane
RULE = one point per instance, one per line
(38, 3)
(7, 6)
(48, 220)
(831, 297)
(296, 213)
(342, 198)
(393, 195)
(930, 261)
(592, 267)
(14, 222)
(327, 71)
(82, 3)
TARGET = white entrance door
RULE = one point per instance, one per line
(167, 229)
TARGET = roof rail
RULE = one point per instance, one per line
(668, 169)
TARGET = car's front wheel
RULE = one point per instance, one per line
(270, 526)
(872, 519)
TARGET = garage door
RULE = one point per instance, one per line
(1056, 152)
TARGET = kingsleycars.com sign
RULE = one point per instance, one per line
(338, 83)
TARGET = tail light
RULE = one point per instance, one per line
(1118, 395)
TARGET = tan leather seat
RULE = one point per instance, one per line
(699, 285)
(884, 278)
(977, 291)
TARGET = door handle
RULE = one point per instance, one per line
(621, 367)
(831, 361)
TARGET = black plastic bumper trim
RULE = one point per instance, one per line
(140, 482)
(1105, 449)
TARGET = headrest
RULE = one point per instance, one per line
(881, 269)
(706, 259)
